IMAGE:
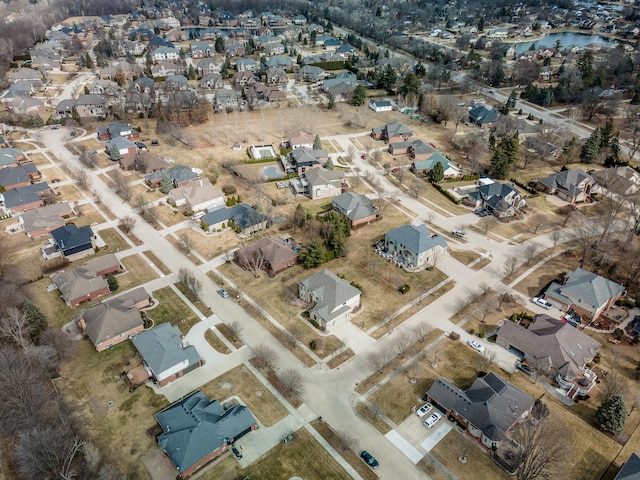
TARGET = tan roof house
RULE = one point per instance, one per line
(41, 221)
(198, 194)
(271, 254)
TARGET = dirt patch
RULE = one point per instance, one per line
(98, 408)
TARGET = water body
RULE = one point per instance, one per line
(567, 39)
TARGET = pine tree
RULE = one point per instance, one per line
(611, 415)
(591, 148)
(359, 96)
(436, 174)
(166, 184)
(37, 320)
(313, 255)
(500, 165)
(317, 143)
(112, 281)
(329, 165)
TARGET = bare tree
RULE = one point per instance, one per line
(530, 252)
(583, 233)
(292, 382)
(144, 208)
(537, 221)
(292, 335)
(485, 360)
(612, 385)
(484, 288)
(15, 326)
(487, 223)
(347, 441)
(567, 213)
(510, 266)
(82, 179)
(185, 242)
(542, 448)
(265, 357)
(421, 330)
(416, 187)
(504, 296)
(402, 342)
(556, 236)
(189, 280)
(235, 329)
(254, 262)
(127, 223)
(378, 359)
(121, 184)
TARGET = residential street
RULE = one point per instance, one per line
(329, 393)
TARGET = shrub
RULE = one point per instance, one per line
(454, 336)
(229, 189)
(471, 331)
(404, 289)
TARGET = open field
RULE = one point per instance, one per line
(210, 245)
(244, 384)
(303, 457)
(68, 192)
(40, 160)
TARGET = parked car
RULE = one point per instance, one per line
(236, 452)
(370, 459)
(223, 293)
(141, 146)
(525, 368)
(542, 303)
(154, 142)
(459, 234)
(93, 152)
(424, 409)
(476, 346)
(432, 420)
(198, 216)
(395, 169)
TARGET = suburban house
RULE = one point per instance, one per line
(413, 247)
(358, 208)
(425, 166)
(392, 132)
(380, 105)
(501, 199)
(483, 115)
(247, 65)
(488, 410)
(196, 430)
(584, 293)
(242, 216)
(21, 199)
(20, 176)
(299, 139)
(319, 183)
(617, 180)
(271, 254)
(86, 106)
(74, 242)
(120, 147)
(631, 468)
(417, 149)
(573, 186)
(179, 175)
(117, 129)
(40, 221)
(555, 348)
(303, 159)
(197, 194)
(211, 81)
(164, 354)
(334, 299)
(144, 161)
(11, 157)
(86, 282)
(311, 73)
(108, 323)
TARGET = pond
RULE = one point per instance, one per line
(567, 39)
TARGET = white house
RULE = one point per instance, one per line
(380, 105)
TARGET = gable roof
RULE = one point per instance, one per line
(322, 176)
(83, 280)
(491, 404)
(430, 162)
(309, 156)
(242, 214)
(19, 196)
(161, 348)
(71, 236)
(566, 181)
(493, 193)
(392, 129)
(331, 292)
(354, 206)
(45, 217)
(416, 239)
(10, 155)
(619, 180)
(483, 114)
(273, 250)
(195, 426)
(585, 289)
(631, 469)
(555, 343)
(13, 175)
(196, 191)
(177, 174)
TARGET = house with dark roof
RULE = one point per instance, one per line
(87, 281)
(117, 129)
(483, 116)
(108, 323)
(311, 73)
(333, 298)
(631, 469)
(392, 132)
(178, 174)
(164, 354)
(120, 147)
(358, 208)
(303, 159)
(20, 176)
(618, 180)
(573, 186)
(74, 242)
(21, 199)
(247, 219)
(380, 105)
(501, 199)
(584, 293)
(11, 157)
(450, 169)
(413, 247)
(196, 430)
(40, 221)
(271, 254)
(555, 348)
(488, 410)
(320, 183)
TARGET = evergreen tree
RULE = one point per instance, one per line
(112, 281)
(436, 174)
(359, 96)
(313, 256)
(166, 184)
(591, 148)
(299, 218)
(37, 320)
(317, 143)
(88, 61)
(331, 103)
(329, 165)
(611, 415)
(511, 102)
(585, 65)
(219, 45)
(500, 166)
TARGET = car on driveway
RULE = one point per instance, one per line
(432, 420)
(223, 293)
(525, 368)
(541, 302)
(459, 234)
(236, 452)
(476, 346)
(93, 152)
(370, 459)
(424, 409)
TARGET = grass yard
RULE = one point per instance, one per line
(157, 262)
(216, 343)
(199, 304)
(68, 192)
(486, 316)
(479, 464)
(168, 215)
(429, 467)
(40, 160)
(87, 215)
(172, 309)
(49, 303)
(340, 358)
(88, 381)
(533, 283)
(176, 243)
(303, 457)
(463, 256)
(51, 173)
(210, 245)
(241, 382)
(435, 197)
(138, 272)
(373, 418)
(349, 454)
(113, 239)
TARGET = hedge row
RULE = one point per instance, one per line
(532, 191)
(446, 193)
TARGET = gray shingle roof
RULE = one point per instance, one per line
(491, 404)
(161, 348)
(586, 289)
(196, 426)
(177, 173)
(13, 175)
(331, 291)
(416, 239)
(71, 236)
(243, 215)
(17, 197)
(354, 206)
(9, 155)
(630, 470)
(566, 181)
